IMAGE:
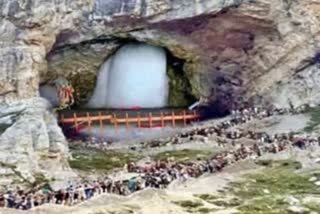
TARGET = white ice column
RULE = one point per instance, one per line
(134, 76)
(99, 97)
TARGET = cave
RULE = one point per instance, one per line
(125, 75)
(131, 74)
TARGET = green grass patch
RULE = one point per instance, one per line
(270, 205)
(265, 191)
(233, 202)
(206, 210)
(207, 197)
(287, 164)
(279, 178)
(40, 180)
(313, 206)
(100, 161)
(185, 154)
(189, 204)
(219, 200)
(315, 119)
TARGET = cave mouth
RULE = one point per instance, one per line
(135, 74)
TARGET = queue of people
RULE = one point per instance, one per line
(237, 117)
(222, 129)
(159, 174)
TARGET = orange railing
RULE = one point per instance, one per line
(147, 120)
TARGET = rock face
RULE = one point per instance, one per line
(33, 148)
(259, 50)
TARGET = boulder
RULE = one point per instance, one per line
(298, 209)
(292, 200)
(32, 147)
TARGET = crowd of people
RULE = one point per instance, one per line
(219, 129)
(222, 129)
(159, 174)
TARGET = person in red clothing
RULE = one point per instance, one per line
(64, 92)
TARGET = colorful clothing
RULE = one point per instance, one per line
(64, 93)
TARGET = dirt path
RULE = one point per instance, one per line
(279, 124)
(213, 183)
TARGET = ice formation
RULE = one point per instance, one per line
(99, 97)
(134, 76)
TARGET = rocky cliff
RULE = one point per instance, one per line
(233, 50)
